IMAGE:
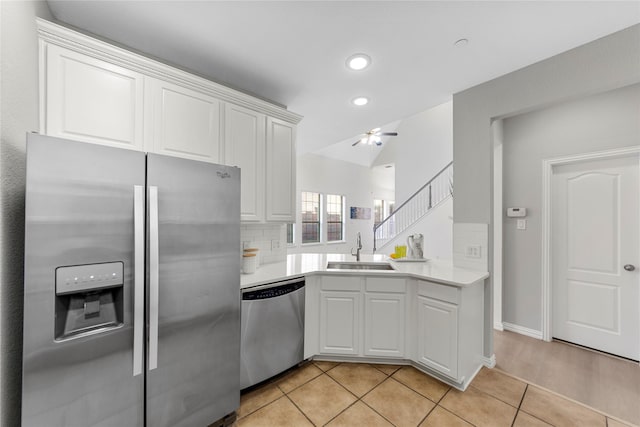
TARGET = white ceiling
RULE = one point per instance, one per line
(294, 52)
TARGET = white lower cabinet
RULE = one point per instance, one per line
(385, 317)
(437, 330)
(435, 327)
(359, 316)
(339, 322)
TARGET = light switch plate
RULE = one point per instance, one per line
(275, 244)
(473, 251)
(521, 224)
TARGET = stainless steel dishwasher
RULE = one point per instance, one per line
(272, 338)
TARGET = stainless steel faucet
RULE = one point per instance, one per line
(358, 247)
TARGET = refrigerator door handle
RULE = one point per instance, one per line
(138, 279)
(153, 277)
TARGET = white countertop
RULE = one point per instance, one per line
(298, 265)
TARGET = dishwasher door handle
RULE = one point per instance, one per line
(273, 285)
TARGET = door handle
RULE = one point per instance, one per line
(138, 279)
(153, 277)
(629, 267)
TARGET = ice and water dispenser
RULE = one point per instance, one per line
(89, 299)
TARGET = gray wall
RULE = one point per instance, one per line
(602, 65)
(601, 122)
(18, 114)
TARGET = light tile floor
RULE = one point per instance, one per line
(350, 394)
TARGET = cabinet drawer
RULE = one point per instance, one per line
(441, 292)
(387, 285)
(341, 283)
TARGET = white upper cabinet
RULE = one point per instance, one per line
(244, 146)
(186, 123)
(92, 100)
(95, 92)
(281, 171)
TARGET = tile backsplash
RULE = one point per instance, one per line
(474, 237)
(271, 239)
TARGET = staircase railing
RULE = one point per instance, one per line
(435, 191)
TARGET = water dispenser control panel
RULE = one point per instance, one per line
(81, 278)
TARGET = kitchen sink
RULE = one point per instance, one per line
(346, 265)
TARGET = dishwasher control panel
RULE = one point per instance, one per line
(274, 290)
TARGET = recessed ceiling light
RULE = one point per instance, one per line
(461, 43)
(358, 61)
(360, 101)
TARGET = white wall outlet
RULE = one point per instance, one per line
(245, 244)
(521, 224)
(275, 244)
(473, 251)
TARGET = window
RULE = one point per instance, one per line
(290, 234)
(323, 218)
(378, 211)
(382, 209)
(335, 218)
(310, 217)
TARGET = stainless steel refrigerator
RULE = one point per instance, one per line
(132, 288)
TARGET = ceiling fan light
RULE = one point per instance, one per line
(360, 101)
(358, 61)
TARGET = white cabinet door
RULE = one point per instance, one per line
(281, 171)
(339, 322)
(244, 142)
(384, 325)
(91, 100)
(185, 123)
(438, 335)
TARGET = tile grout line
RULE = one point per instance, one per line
(526, 387)
(299, 409)
(345, 388)
(558, 394)
(416, 391)
(428, 413)
(452, 413)
(263, 406)
(300, 385)
(372, 408)
(359, 399)
(456, 415)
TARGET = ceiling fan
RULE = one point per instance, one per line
(373, 137)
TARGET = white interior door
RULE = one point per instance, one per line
(595, 235)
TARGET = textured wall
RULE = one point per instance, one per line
(596, 123)
(604, 64)
(18, 114)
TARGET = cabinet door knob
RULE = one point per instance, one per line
(629, 267)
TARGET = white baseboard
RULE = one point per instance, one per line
(522, 330)
(498, 326)
(489, 362)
